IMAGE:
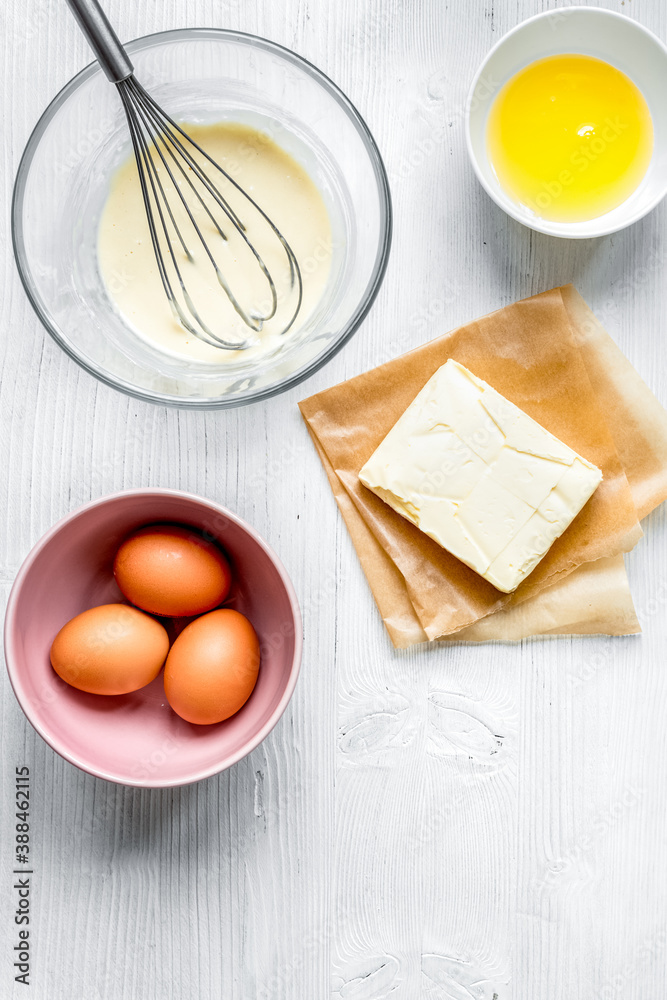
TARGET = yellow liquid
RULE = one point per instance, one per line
(570, 137)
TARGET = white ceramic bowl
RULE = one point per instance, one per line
(591, 31)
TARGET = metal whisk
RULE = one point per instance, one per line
(158, 141)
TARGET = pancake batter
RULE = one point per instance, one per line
(279, 185)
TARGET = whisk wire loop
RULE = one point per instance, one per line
(150, 183)
(160, 136)
(168, 124)
(158, 142)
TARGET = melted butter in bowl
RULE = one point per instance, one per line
(282, 189)
(570, 137)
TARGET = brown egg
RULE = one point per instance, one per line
(172, 571)
(212, 667)
(112, 649)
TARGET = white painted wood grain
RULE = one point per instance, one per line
(448, 823)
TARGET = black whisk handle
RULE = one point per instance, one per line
(102, 39)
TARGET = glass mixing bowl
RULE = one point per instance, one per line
(198, 75)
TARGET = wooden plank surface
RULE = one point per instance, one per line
(444, 824)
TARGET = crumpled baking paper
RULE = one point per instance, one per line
(551, 357)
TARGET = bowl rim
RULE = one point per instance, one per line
(379, 265)
(10, 629)
(544, 225)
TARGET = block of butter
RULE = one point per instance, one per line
(479, 476)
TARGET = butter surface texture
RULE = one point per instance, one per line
(479, 476)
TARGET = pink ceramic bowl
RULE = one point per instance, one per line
(136, 739)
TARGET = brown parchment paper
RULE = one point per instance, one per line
(551, 356)
(637, 421)
(529, 353)
(593, 599)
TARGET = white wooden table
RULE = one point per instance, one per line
(367, 849)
